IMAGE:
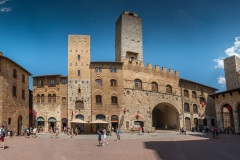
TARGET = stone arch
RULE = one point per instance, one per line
(227, 116)
(165, 116)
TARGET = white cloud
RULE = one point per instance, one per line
(219, 62)
(5, 9)
(3, 1)
(235, 49)
(221, 81)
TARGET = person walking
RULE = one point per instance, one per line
(99, 138)
(118, 132)
(105, 137)
(2, 135)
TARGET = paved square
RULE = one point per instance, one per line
(152, 146)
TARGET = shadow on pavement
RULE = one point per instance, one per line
(224, 148)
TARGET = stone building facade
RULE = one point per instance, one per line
(126, 94)
(227, 102)
(50, 102)
(14, 95)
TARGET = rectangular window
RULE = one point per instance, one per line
(79, 57)
(52, 82)
(14, 91)
(23, 78)
(23, 94)
(79, 72)
(64, 81)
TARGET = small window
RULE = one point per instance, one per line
(185, 92)
(98, 99)
(194, 95)
(98, 82)
(79, 57)
(114, 100)
(23, 78)
(38, 98)
(40, 83)
(64, 81)
(79, 72)
(9, 121)
(113, 70)
(42, 98)
(195, 109)
(14, 73)
(14, 91)
(186, 107)
(52, 82)
(154, 87)
(64, 100)
(113, 82)
(23, 94)
(98, 69)
(168, 89)
(138, 84)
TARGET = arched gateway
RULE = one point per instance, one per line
(165, 116)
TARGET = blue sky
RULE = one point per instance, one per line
(190, 36)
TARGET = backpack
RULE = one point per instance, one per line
(2, 133)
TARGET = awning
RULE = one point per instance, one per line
(52, 120)
(40, 119)
(78, 121)
(99, 121)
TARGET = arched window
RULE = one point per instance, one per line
(185, 93)
(42, 98)
(54, 98)
(49, 98)
(79, 116)
(195, 109)
(186, 107)
(194, 95)
(113, 82)
(38, 98)
(168, 89)
(114, 100)
(154, 86)
(98, 82)
(101, 117)
(138, 84)
(98, 99)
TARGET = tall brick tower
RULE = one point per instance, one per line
(128, 38)
(231, 69)
(79, 90)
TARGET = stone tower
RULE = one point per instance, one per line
(79, 90)
(128, 38)
(231, 69)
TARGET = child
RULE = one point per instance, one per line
(99, 138)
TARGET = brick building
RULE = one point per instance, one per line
(124, 93)
(14, 95)
(227, 102)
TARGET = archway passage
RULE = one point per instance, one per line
(227, 117)
(165, 116)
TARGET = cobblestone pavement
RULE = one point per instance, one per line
(165, 145)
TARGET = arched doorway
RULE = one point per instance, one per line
(64, 123)
(51, 124)
(165, 116)
(114, 121)
(19, 125)
(227, 116)
(40, 123)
